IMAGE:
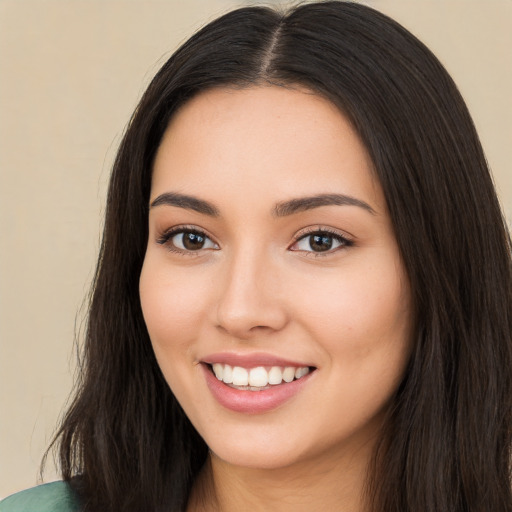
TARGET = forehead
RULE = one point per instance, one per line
(271, 140)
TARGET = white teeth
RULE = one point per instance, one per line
(218, 369)
(227, 376)
(300, 372)
(240, 376)
(258, 377)
(275, 375)
(289, 374)
(255, 379)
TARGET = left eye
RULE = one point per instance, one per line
(191, 241)
(320, 242)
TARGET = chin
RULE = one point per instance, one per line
(257, 452)
(261, 460)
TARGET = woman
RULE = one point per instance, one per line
(303, 293)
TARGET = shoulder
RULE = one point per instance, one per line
(52, 497)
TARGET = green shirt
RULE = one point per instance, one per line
(52, 497)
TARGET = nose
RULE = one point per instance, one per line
(251, 301)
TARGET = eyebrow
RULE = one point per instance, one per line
(282, 209)
(308, 203)
(187, 202)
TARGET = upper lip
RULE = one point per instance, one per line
(251, 360)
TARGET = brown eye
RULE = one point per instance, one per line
(321, 241)
(191, 241)
(187, 240)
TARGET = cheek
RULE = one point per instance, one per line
(172, 305)
(361, 314)
(362, 322)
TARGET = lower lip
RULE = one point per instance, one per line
(252, 402)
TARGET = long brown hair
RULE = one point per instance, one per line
(125, 443)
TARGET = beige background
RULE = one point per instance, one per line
(71, 73)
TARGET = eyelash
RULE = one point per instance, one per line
(165, 239)
(327, 233)
(344, 242)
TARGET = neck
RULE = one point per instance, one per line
(332, 483)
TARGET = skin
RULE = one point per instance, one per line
(254, 287)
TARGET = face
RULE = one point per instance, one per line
(272, 286)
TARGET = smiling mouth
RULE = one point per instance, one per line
(258, 378)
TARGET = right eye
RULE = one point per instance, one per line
(186, 240)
